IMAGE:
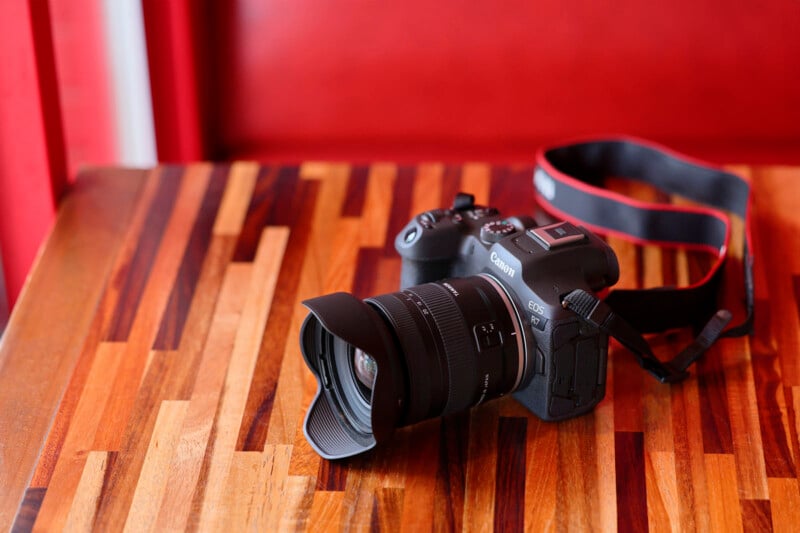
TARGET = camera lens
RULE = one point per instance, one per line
(350, 396)
(399, 358)
(365, 368)
(460, 340)
(346, 417)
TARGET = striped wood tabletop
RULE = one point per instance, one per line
(151, 379)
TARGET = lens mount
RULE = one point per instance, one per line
(519, 331)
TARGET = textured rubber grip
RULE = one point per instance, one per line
(459, 348)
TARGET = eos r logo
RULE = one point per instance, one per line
(544, 184)
(500, 264)
(536, 307)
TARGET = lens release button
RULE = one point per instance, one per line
(487, 335)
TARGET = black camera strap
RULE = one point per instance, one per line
(569, 184)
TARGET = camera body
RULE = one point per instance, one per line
(565, 371)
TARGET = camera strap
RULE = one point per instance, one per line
(569, 184)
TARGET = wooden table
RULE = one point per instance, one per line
(150, 376)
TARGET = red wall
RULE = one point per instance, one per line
(55, 116)
(488, 79)
(32, 169)
(402, 80)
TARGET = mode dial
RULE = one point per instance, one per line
(496, 230)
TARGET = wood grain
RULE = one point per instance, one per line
(151, 379)
(47, 329)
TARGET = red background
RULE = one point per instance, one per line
(366, 80)
(491, 80)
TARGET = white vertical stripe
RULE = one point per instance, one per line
(130, 82)
(3, 300)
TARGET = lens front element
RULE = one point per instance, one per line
(365, 369)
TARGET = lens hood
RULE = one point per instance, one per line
(327, 429)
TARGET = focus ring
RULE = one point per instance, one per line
(458, 346)
(408, 333)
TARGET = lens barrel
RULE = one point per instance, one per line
(460, 341)
(439, 348)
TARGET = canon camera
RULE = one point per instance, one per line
(479, 315)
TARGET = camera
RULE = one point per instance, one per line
(479, 315)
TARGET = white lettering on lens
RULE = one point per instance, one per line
(485, 388)
(501, 265)
(450, 288)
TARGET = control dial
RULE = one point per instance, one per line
(428, 219)
(496, 230)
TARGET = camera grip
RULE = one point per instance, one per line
(570, 379)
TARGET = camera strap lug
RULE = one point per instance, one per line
(598, 314)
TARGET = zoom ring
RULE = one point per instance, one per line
(407, 331)
(459, 350)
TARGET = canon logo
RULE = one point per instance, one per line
(499, 263)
